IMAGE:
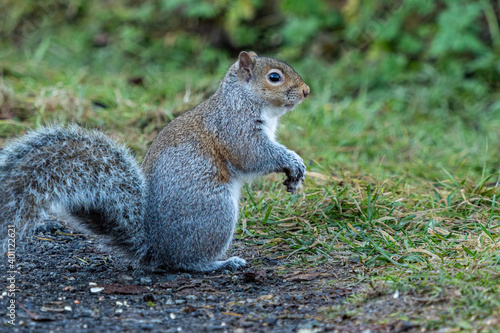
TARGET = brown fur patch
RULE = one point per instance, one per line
(190, 129)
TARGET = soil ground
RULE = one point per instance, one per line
(66, 283)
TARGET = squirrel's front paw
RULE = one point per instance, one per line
(295, 173)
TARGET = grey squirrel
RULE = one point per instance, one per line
(179, 209)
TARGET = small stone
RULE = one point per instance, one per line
(170, 277)
(354, 259)
(146, 280)
(71, 268)
(148, 298)
(125, 279)
(96, 289)
(246, 324)
(147, 327)
(86, 313)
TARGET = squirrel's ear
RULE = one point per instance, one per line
(252, 54)
(245, 62)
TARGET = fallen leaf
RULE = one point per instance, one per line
(188, 309)
(255, 276)
(124, 289)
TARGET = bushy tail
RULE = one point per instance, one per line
(81, 172)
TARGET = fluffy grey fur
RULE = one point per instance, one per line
(179, 210)
(73, 171)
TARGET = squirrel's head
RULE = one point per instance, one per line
(271, 80)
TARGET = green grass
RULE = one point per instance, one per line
(398, 179)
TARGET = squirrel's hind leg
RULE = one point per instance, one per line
(231, 264)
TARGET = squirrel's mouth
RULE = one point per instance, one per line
(289, 107)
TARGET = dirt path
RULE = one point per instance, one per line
(65, 284)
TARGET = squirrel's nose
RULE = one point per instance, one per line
(306, 90)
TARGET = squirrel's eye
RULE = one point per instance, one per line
(274, 77)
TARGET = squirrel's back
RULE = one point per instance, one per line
(73, 171)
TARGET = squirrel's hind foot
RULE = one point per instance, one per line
(230, 264)
(233, 263)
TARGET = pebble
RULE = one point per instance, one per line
(86, 313)
(96, 289)
(148, 298)
(125, 279)
(146, 280)
(171, 277)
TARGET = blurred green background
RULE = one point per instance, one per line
(406, 86)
